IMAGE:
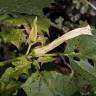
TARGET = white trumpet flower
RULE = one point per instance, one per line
(69, 35)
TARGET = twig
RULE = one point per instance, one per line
(93, 6)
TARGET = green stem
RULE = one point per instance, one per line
(29, 47)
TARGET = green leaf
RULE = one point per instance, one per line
(21, 65)
(10, 88)
(8, 81)
(18, 21)
(5, 78)
(33, 33)
(27, 6)
(3, 17)
(15, 36)
(85, 45)
(83, 48)
(42, 22)
(85, 70)
(84, 86)
(49, 84)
